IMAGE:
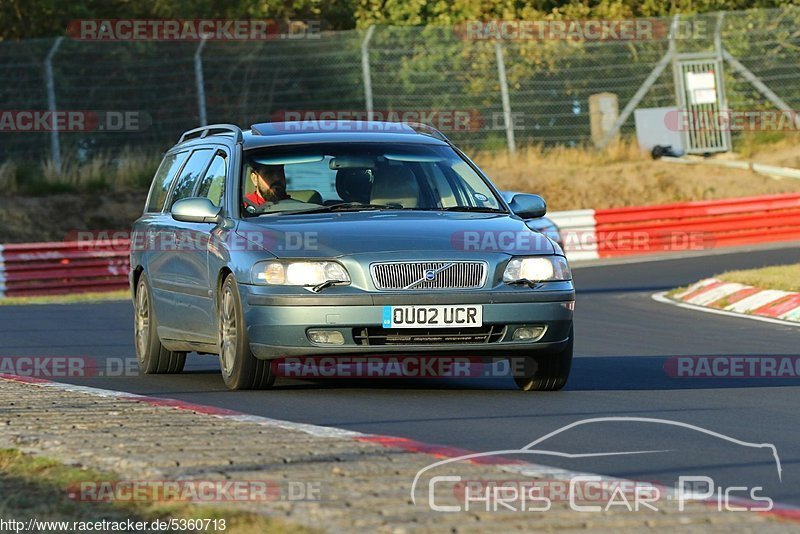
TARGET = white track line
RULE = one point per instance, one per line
(662, 298)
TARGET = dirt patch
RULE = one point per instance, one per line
(572, 179)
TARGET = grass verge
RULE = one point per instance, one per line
(122, 294)
(783, 277)
(37, 487)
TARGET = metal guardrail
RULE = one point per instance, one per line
(32, 269)
(679, 227)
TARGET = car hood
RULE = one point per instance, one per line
(327, 235)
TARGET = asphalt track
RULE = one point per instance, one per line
(623, 339)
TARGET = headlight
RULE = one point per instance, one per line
(538, 269)
(300, 273)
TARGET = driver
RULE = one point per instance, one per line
(270, 182)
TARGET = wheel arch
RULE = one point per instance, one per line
(136, 274)
(221, 276)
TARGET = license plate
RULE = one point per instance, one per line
(432, 316)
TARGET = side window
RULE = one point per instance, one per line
(163, 179)
(213, 185)
(184, 186)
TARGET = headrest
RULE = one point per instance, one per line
(354, 185)
(395, 185)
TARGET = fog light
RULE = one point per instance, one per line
(326, 337)
(529, 333)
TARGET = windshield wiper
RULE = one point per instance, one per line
(477, 209)
(344, 206)
(327, 283)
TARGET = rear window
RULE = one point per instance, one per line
(163, 179)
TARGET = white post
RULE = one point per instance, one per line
(198, 77)
(507, 119)
(637, 97)
(55, 146)
(366, 72)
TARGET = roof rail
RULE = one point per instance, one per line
(426, 129)
(203, 131)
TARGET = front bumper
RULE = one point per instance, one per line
(278, 323)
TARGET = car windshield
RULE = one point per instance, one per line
(358, 176)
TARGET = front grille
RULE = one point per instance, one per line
(428, 336)
(441, 275)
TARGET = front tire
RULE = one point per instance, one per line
(240, 369)
(151, 355)
(547, 371)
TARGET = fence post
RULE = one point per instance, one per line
(198, 78)
(501, 74)
(55, 146)
(366, 71)
(645, 87)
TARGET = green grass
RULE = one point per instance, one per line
(122, 294)
(36, 487)
(749, 144)
(783, 277)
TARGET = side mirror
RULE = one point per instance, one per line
(198, 210)
(528, 206)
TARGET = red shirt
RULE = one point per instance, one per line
(255, 197)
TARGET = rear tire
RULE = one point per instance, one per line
(548, 371)
(151, 355)
(240, 369)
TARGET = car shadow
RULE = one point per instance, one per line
(600, 373)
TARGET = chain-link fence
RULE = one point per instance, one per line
(542, 85)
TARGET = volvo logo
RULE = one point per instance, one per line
(429, 275)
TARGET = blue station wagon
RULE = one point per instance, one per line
(351, 239)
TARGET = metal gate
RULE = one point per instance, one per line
(702, 108)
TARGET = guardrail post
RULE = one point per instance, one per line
(366, 71)
(55, 146)
(507, 119)
(198, 77)
(2, 275)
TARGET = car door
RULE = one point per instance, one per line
(200, 324)
(146, 237)
(182, 276)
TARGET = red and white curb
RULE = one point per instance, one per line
(509, 465)
(728, 298)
